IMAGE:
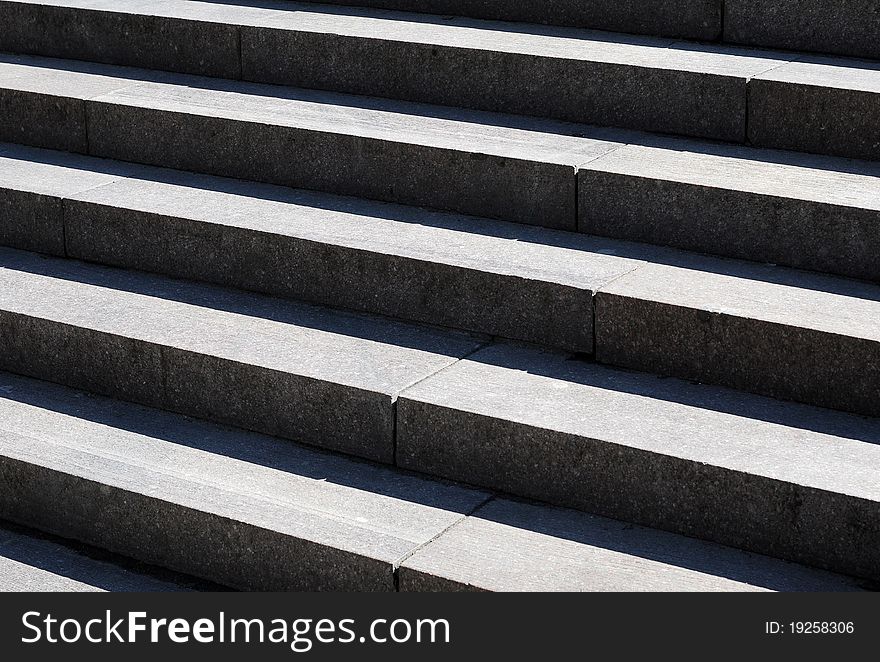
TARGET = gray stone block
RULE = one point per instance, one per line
(820, 105)
(34, 564)
(785, 334)
(654, 451)
(31, 195)
(621, 81)
(673, 18)
(43, 106)
(402, 262)
(842, 27)
(817, 213)
(236, 508)
(291, 370)
(140, 34)
(382, 150)
(510, 546)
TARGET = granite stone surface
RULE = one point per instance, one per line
(233, 507)
(655, 451)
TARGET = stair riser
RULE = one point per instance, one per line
(31, 222)
(482, 185)
(780, 361)
(317, 412)
(403, 288)
(784, 520)
(818, 120)
(667, 101)
(652, 98)
(173, 536)
(153, 42)
(414, 290)
(531, 192)
(844, 27)
(749, 226)
(700, 19)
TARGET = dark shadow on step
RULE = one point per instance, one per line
(356, 325)
(368, 477)
(514, 232)
(241, 445)
(89, 565)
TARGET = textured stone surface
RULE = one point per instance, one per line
(563, 73)
(283, 368)
(509, 546)
(236, 508)
(31, 564)
(655, 451)
(786, 334)
(404, 262)
(612, 80)
(31, 194)
(804, 211)
(134, 33)
(820, 105)
(700, 19)
(519, 169)
(842, 27)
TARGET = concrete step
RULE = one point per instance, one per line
(782, 207)
(33, 563)
(497, 166)
(278, 367)
(691, 19)
(786, 480)
(843, 27)
(404, 262)
(508, 546)
(257, 513)
(232, 507)
(776, 331)
(607, 79)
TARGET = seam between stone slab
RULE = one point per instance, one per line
(396, 396)
(72, 197)
(465, 516)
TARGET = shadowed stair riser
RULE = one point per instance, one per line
(164, 488)
(621, 81)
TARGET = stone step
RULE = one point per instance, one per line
(776, 331)
(512, 546)
(32, 563)
(842, 27)
(255, 512)
(232, 507)
(790, 481)
(283, 368)
(644, 83)
(818, 213)
(503, 279)
(519, 169)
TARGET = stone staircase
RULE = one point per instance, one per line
(311, 296)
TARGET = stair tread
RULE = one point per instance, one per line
(754, 291)
(501, 36)
(568, 43)
(350, 505)
(750, 434)
(512, 546)
(372, 511)
(371, 354)
(314, 110)
(33, 564)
